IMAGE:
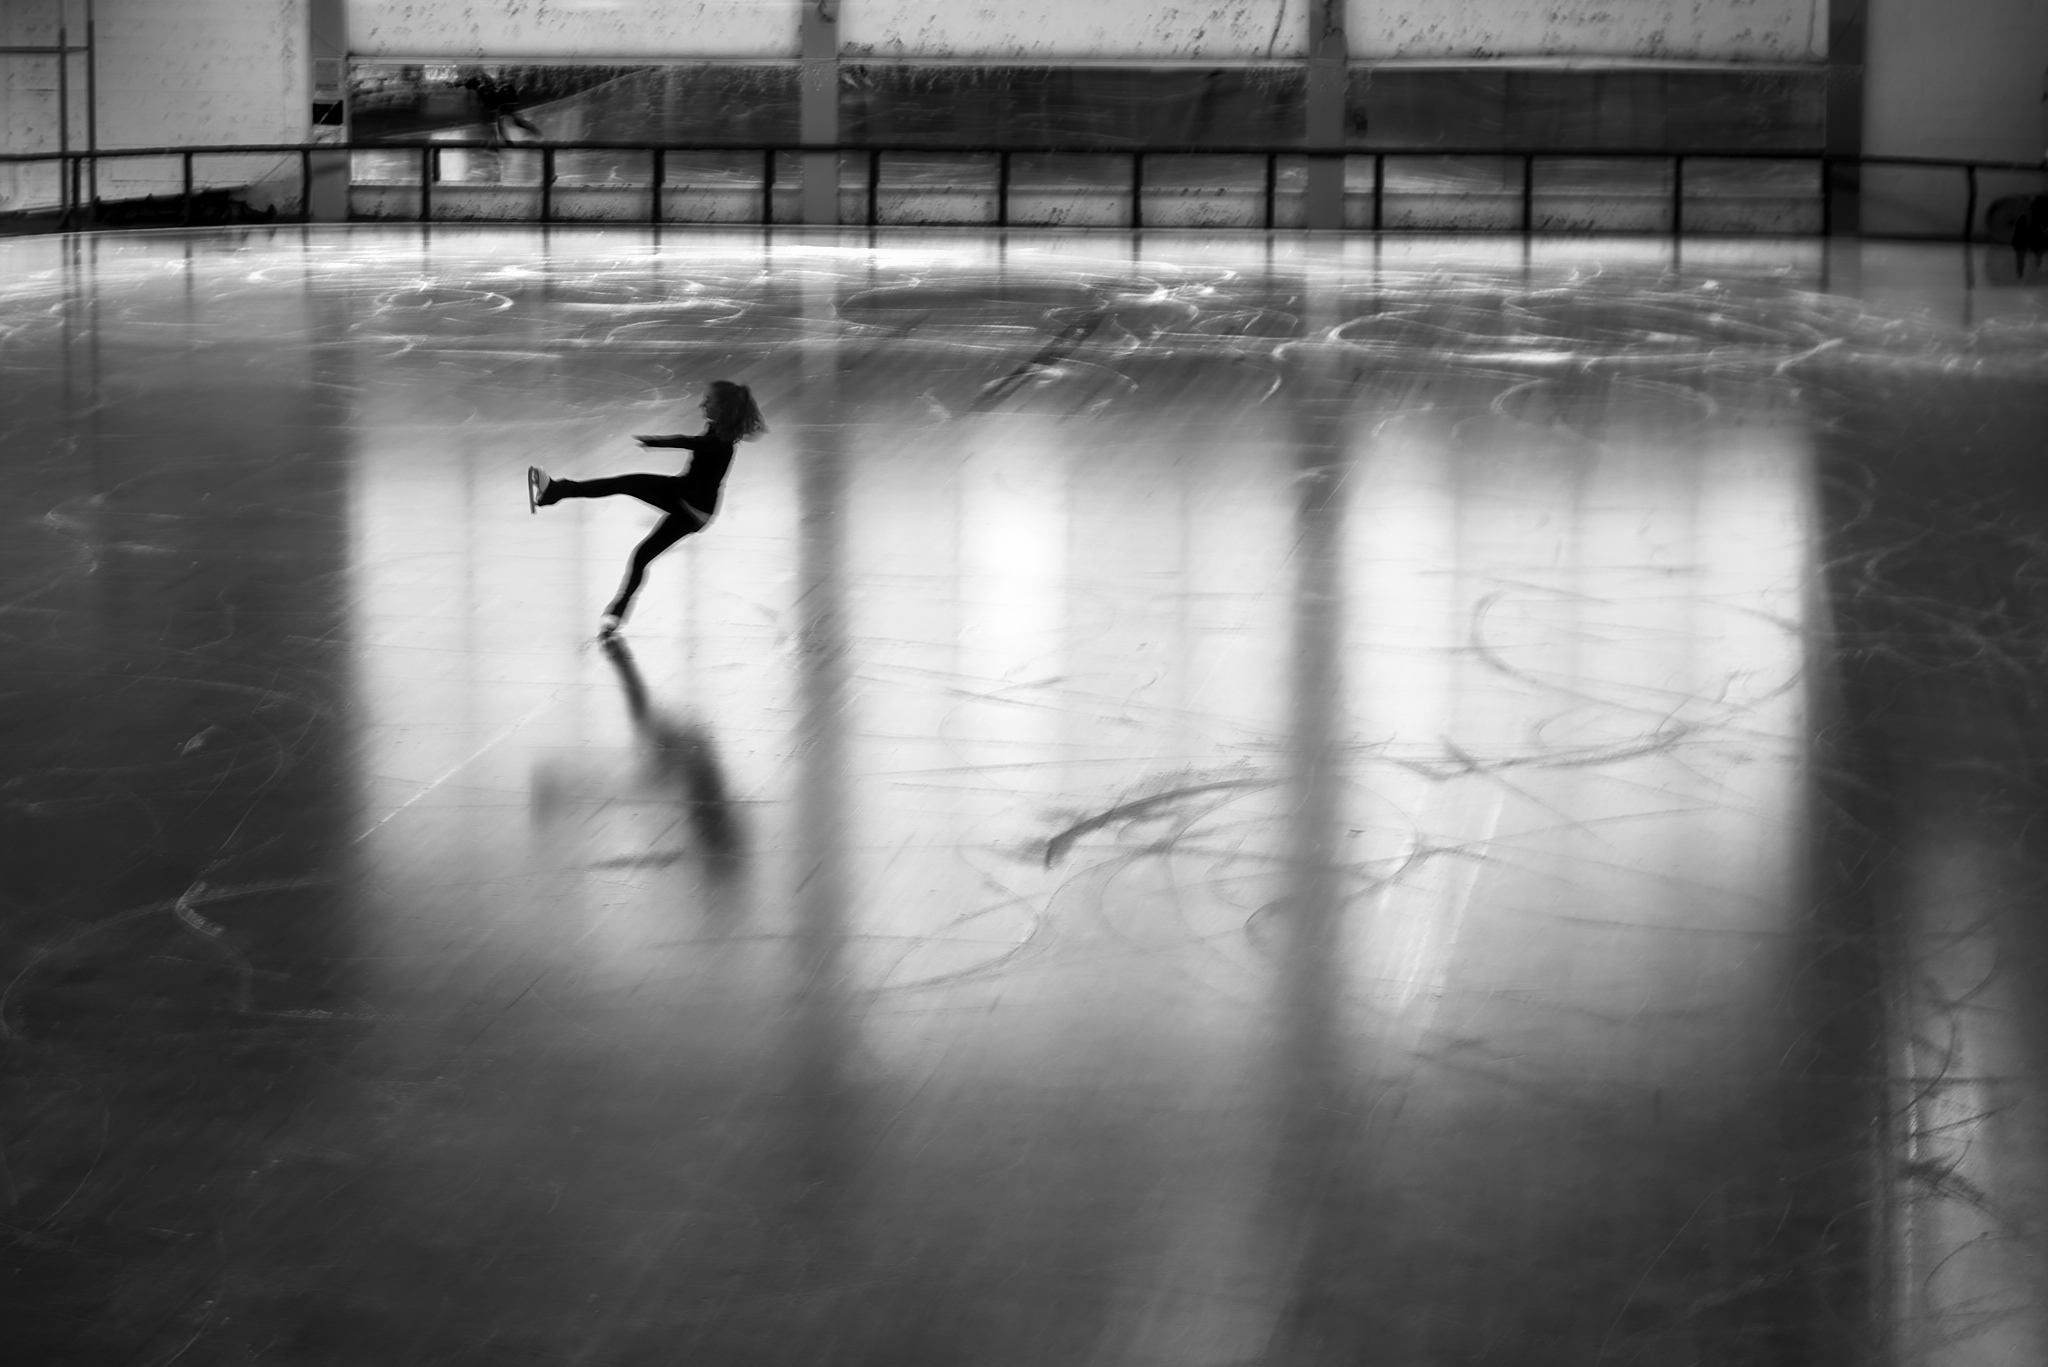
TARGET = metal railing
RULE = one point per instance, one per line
(73, 165)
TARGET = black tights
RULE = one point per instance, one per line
(659, 491)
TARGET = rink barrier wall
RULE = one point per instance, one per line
(1484, 189)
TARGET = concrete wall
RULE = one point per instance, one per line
(1951, 78)
(1057, 29)
(210, 71)
(1746, 30)
(28, 109)
(28, 84)
(202, 71)
(507, 29)
(1956, 78)
(193, 71)
(29, 100)
(1719, 30)
(216, 71)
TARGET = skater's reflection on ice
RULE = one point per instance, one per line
(666, 805)
(680, 755)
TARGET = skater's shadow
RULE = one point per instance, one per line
(682, 756)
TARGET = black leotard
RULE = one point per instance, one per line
(711, 457)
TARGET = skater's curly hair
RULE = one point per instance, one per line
(732, 413)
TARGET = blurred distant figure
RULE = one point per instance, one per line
(2030, 235)
(500, 102)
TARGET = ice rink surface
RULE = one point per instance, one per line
(1205, 801)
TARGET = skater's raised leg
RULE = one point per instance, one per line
(656, 490)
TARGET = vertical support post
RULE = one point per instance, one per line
(327, 50)
(655, 177)
(1379, 189)
(1002, 189)
(822, 1010)
(1528, 193)
(547, 184)
(1841, 173)
(64, 122)
(818, 110)
(1312, 685)
(92, 110)
(1827, 199)
(305, 185)
(426, 183)
(1677, 194)
(1272, 186)
(768, 188)
(1137, 190)
(186, 159)
(1328, 70)
(874, 186)
(1970, 205)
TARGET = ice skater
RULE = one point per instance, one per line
(500, 101)
(687, 501)
(2030, 235)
